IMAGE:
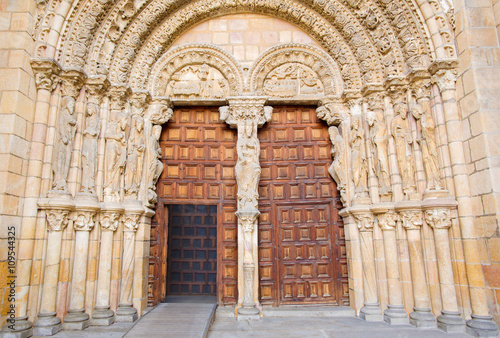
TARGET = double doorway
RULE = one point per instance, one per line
(302, 257)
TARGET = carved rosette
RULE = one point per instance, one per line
(439, 218)
(387, 221)
(364, 221)
(109, 220)
(57, 219)
(84, 220)
(411, 219)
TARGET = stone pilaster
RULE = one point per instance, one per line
(445, 75)
(364, 218)
(126, 311)
(57, 211)
(85, 211)
(387, 218)
(109, 218)
(411, 217)
(247, 114)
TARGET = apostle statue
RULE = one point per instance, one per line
(358, 159)
(116, 156)
(379, 142)
(64, 144)
(338, 168)
(135, 157)
(89, 148)
(155, 164)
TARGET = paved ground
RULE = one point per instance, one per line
(191, 320)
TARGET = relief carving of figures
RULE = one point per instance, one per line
(66, 127)
(89, 148)
(338, 168)
(403, 140)
(379, 142)
(427, 141)
(155, 164)
(358, 159)
(135, 157)
(292, 79)
(116, 156)
(247, 168)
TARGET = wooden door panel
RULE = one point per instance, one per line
(301, 238)
(199, 155)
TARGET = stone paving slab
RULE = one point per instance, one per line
(185, 320)
(115, 330)
(291, 327)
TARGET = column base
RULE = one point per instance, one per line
(482, 326)
(126, 313)
(422, 318)
(47, 324)
(451, 322)
(76, 320)
(248, 312)
(102, 316)
(21, 328)
(371, 313)
(396, 315)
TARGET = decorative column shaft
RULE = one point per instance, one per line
(437, 215)
(103, 315)
(371, 310)
(411, 218)
(445, 75)
(57, 212)
(77, 319)
(126, 311)
(396, 313)
(247, 114)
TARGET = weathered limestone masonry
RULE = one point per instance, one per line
(408, 90)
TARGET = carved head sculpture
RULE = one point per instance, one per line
(371, 117)
(417, 111)
(92, 109)
(401, 109)
(139, 123)
(68, 103)
(203, 72)
(122, 121)
(355, 123)
(334, 132)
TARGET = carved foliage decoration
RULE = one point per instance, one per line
(438, 218)
(196, 72)
(57, 219)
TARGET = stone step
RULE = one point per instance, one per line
(294, 311)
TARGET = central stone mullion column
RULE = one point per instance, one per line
(247, 114)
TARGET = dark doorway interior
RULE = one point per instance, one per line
(192, 250)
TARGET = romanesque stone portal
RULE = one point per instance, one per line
(144, 104)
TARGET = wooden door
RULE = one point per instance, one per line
(199, 155)
(301, 236)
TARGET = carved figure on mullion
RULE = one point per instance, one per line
(116, 156)
(427, 141)
(89, 148)
(338, 168)
(135, 157)
(66, 128)
(379, 142)
(247, 168)
(403, 140)
(359, 159)
(155, 164)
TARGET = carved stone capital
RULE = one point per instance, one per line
(57, 219)
(387, 221)
(139, 100)
(95, 86)
(376, 100)
(332, 111)
(109, 220)
(45, 71)
(445, 79)
(421, 88)
(242, 109)
(248, 219)
(160, 111)
(131, 221)
(117, 95)
(439, 218)
(72, 82)
(412, 219)
(84, 220)
(364, 221)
